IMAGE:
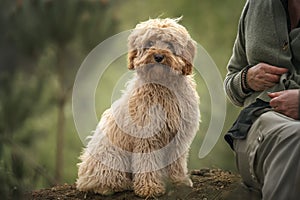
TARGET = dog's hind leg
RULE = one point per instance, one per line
(103, 172)
(105, 166)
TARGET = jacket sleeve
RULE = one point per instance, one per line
(237, 62)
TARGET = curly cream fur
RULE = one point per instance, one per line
(143, 139)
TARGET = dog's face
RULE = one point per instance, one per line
(160, 45)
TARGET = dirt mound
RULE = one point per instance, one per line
(208, 184)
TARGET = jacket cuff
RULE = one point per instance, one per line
(237, 83)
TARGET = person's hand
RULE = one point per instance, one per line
(286, 102)
(263, 76)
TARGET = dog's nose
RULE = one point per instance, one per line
(158, 57)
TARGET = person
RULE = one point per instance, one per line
(264, 77)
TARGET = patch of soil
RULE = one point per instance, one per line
(208, 184)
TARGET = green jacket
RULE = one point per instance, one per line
(263, 36)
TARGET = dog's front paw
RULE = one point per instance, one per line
(187, 182)
(149, 189)
(182, 181)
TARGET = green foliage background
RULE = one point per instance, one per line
(42, 46)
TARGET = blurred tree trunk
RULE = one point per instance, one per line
(63, 90)
(60, 140)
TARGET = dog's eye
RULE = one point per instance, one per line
(149, 44)
(170, 47)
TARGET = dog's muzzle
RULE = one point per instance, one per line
(158, 58)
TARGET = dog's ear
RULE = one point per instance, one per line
(188, 57)
(192, 49)
(131, 57)
(187, 69)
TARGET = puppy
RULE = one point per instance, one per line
(142, 141)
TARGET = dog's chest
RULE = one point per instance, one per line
(155, 105)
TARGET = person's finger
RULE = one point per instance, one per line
(268, 84)
(275, 70)
(272, 78)
(274, 104)
(275, 94)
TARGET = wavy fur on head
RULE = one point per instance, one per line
(143, 140)
(164, 34)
